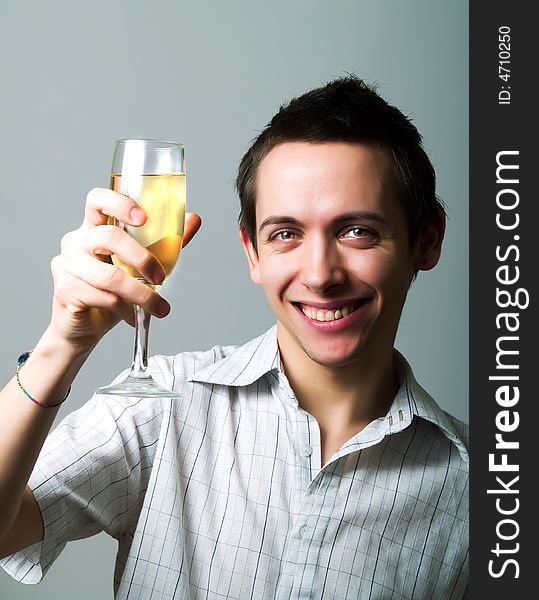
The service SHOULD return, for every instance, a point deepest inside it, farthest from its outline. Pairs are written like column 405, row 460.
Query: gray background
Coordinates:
column 77, row 76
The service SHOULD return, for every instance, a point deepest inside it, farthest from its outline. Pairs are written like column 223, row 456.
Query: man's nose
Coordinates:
column 321, row 265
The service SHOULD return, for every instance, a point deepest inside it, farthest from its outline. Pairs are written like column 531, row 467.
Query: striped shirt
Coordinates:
column 222, row 494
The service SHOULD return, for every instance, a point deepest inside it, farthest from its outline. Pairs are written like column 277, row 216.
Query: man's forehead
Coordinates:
column 343, row 176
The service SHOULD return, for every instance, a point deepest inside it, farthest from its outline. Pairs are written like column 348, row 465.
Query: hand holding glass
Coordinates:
column 152, row 173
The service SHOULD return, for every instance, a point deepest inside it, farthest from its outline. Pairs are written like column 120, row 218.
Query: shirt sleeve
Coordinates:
column 91, row 476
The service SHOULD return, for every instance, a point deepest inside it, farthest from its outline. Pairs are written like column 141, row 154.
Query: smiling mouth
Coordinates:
column 318, row 314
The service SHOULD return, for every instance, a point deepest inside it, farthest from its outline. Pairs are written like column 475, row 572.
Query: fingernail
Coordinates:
column 163, row 309
column 158, row 275
column 137, row 214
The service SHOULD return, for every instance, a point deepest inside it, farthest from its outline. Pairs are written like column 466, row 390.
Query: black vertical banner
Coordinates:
column 504, row 268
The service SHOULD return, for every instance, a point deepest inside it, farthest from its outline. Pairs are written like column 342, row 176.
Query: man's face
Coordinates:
column 334, row 257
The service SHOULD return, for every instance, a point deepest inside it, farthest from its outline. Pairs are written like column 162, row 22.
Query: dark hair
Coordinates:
column 347, row 110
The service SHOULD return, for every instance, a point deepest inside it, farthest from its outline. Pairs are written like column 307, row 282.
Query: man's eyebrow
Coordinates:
column 277, row 220
column 357, row 215
column 361, row 215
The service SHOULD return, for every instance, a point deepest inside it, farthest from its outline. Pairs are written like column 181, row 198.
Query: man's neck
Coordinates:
column 342, row 399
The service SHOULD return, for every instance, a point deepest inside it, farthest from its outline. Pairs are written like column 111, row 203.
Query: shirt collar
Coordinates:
column 414, row 400
column 245, row 364
column 248, row 363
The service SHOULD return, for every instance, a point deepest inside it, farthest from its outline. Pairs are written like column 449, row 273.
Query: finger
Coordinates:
column 109, row 239
column 108, row 278
column 79, row 296
column 192, row 225
column 102, row 203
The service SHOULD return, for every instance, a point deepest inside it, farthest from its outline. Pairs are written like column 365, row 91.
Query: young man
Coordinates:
column 307, row 463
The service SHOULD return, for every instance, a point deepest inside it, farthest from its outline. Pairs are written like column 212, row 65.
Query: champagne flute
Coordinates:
column 152, row 173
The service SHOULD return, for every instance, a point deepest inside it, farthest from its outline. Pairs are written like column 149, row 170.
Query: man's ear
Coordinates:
column 252, row 256
column 429, row 244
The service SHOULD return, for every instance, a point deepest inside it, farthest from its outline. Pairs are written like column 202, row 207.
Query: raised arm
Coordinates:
column 90, row 297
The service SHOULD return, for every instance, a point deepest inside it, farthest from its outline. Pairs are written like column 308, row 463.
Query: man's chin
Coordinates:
column 332, row 360
column 341, row 353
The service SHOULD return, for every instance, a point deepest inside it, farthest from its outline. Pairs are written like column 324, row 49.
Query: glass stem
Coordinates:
column 139, row 368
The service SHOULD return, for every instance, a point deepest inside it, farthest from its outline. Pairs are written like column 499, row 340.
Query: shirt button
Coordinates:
column 303, row 531
column 305, row 450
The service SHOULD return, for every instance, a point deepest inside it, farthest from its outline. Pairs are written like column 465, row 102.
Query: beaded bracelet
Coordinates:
column 20, row 362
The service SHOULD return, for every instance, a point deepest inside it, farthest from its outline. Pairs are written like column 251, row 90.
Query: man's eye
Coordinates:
column 360, row 236
column 283, row 236
column 359, row 232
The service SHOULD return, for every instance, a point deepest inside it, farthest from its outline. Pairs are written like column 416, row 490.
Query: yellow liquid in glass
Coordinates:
column 162, row 197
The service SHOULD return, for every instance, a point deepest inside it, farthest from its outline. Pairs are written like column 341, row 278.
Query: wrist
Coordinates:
column 21, row 361
column 48, row 370
column 53, row 345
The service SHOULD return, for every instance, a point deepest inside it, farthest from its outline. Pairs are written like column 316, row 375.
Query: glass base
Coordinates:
column 140, row 387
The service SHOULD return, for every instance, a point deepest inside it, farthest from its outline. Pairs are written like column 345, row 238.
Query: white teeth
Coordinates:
column 328, row 315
